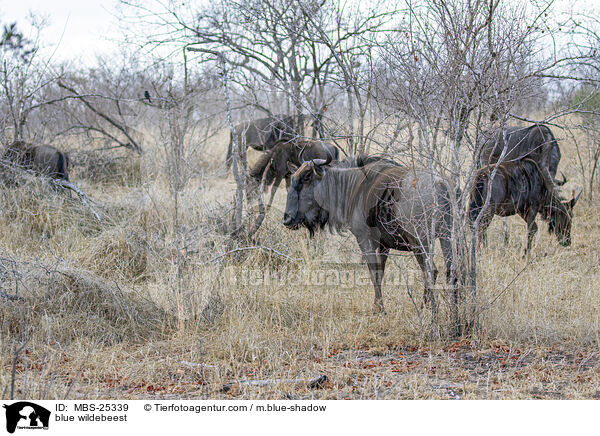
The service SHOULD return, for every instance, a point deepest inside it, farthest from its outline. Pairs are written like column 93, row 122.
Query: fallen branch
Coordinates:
column 317, row 383
column 11, row 297
column 84, row 198
column 197, row 365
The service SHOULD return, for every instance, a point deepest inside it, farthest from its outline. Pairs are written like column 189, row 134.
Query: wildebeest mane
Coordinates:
column 361, row 160
column 352, row 180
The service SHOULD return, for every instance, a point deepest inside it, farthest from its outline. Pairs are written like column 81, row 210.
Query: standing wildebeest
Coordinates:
column 276, row 160
column 385, row 205
column 535, row 142
column 262, row 134
column 521, row 187
column 43, row 159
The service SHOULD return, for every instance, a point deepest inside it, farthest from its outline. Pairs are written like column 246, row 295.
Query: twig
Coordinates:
column 79, row 372
column 527, row 120
column 316, row 383
column 199, row 365
column 13, row 375
column 261, row 204
column 134, row 145
column 256, row 247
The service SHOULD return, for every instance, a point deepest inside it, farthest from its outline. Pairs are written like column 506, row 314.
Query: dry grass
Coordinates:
column 132, row 308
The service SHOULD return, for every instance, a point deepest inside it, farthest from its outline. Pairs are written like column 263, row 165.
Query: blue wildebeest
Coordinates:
column 275, row 161
column 535, row 142
column 385, row 206
column 42, row 159
column 262, row 134
column 524, row 188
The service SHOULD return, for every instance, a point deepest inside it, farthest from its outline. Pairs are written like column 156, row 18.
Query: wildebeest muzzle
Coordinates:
column 292, row 222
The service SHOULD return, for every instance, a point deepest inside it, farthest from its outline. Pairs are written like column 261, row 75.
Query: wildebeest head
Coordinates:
column 301, row 207
column 560, row 218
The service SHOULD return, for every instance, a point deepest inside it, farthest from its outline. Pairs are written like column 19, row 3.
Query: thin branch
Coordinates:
column 256, row 247
column 134, row 145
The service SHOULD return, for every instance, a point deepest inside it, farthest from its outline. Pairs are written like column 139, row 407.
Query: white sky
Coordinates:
column 80, row 29
column 77, row 29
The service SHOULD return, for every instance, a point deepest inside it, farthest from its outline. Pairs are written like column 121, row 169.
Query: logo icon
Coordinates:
column 26, row 415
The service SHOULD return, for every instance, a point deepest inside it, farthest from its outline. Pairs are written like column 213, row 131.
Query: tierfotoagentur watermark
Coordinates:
column 326, row 275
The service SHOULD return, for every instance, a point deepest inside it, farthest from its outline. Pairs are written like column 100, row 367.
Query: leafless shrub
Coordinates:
column 107, row 168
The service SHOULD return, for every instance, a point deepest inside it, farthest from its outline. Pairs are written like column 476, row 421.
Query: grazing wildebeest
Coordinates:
column 262, row 134
column 43, row 159
column 276, row 160
column 535, row 142
column 524, row 188
column 385, row 205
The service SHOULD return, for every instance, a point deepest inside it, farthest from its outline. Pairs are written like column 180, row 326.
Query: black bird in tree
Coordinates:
column 147, row 96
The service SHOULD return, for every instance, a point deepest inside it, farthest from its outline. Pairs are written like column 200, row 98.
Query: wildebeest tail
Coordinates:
column 555, row 156
column 63, row 163
column 477, row 197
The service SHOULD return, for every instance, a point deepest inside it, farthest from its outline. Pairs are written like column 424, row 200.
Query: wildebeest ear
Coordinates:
column 292, row 168
column 319, row 171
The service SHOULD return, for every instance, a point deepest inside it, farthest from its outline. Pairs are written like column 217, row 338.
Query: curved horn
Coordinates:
column 561, row 182
column 574, row 200
column 320, row 162
column 300, row 158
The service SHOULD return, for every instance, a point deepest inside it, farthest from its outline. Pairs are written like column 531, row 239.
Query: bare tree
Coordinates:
column 25, row 75
column 457, row 70
column 350, row 34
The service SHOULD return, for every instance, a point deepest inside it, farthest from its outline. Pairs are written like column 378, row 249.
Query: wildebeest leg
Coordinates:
column 382, row 257
column 531, row 228
column 430, row 273
column 482, row 230
column 273, row 191
column 375, row 258
column 505, row 231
